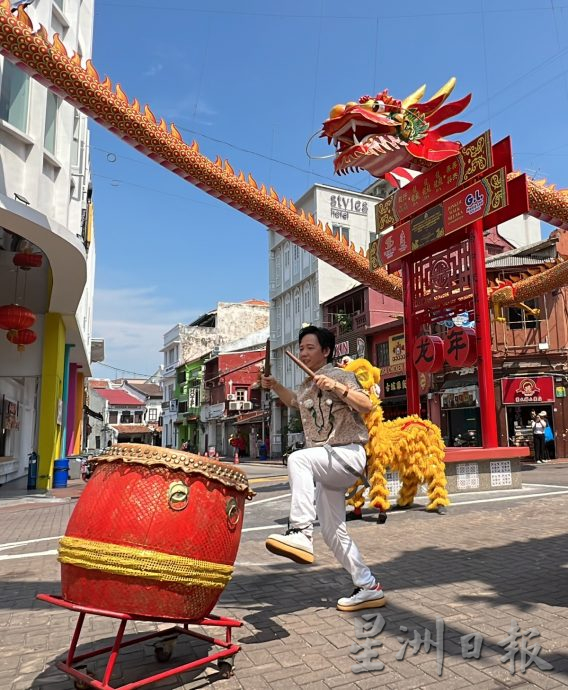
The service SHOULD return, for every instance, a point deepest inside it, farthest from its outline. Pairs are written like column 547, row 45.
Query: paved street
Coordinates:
column 495, row 560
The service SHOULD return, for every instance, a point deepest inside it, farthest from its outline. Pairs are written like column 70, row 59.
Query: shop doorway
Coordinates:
column 519, row 428
column 464, row 427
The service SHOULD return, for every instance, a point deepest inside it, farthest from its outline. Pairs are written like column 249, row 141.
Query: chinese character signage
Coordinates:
column 395, row 386
column 518, row 391
column 470, row 204
column 460, row 348
column 449, row 175
column 428, row 353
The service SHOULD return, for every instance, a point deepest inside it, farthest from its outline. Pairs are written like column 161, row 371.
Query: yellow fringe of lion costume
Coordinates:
column 409, row 445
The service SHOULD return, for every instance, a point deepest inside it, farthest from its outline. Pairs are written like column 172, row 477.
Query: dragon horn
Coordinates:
column 414, row 97
column 446, row 90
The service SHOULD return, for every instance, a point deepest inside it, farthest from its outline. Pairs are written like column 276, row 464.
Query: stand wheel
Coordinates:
column 163, row 650
column 81, row 685
column 225, row 667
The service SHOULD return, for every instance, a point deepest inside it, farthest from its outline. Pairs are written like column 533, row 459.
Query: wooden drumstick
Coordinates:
column 308, row 371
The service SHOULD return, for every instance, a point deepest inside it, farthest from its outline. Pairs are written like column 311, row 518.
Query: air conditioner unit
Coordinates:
column 173, row 405
column 246, row 405
column 231, row 396
column 236, row 405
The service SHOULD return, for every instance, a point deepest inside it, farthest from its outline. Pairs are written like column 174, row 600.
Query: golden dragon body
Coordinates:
column 50, row 64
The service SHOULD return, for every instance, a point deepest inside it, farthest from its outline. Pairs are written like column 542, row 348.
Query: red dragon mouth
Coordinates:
column 380, row 133
column 359, row 133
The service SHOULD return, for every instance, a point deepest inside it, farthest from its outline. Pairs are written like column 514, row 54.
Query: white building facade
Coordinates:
column 45, row 210
column 300, row 282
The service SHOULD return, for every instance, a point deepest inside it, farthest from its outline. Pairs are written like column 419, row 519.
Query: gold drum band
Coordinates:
column 118, row 559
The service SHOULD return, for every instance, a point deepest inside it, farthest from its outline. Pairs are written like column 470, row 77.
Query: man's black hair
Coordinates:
column 325, row 339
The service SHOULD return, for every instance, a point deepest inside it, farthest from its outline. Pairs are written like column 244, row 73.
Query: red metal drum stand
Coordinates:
column 224, row 658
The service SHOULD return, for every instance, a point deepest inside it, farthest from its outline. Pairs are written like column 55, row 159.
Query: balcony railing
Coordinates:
column 360, row 322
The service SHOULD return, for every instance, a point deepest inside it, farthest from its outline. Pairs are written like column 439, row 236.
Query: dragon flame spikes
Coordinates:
column 252, row 181
column 175, row 132
column 91, row 71
column 149, row 115
column 273, row 195
column 241, row 176
column 121, row 95
column 227, row 167
column 219, row 161
column 58, row 45
column 23, row 17
column 163, row 126
column 293, row 207
column 136, row 105
column 195, row 147
column 42, row 33
column 107, row 84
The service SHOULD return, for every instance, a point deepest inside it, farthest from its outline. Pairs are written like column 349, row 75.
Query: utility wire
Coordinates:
column 123, row 371
column 281, row 15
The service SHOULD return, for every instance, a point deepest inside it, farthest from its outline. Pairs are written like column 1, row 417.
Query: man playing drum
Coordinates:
column 330, row 404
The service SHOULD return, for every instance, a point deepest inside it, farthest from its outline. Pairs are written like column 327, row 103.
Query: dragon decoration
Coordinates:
column 379, row 134
column 418, row 130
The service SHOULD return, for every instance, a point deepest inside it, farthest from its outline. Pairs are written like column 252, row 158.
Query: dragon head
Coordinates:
column 381, row 133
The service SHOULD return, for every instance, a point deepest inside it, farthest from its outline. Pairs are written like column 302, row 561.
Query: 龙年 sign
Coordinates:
column 526, row 390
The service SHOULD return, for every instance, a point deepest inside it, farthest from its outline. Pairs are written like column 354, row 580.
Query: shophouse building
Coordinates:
column 47, row 257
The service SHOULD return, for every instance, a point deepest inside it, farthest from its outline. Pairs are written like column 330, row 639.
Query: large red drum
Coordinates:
column 155, row 533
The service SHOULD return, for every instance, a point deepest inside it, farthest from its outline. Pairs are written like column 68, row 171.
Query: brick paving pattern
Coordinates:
column 478, row 570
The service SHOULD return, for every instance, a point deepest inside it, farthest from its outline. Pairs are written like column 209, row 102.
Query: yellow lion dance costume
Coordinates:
column 410, row 445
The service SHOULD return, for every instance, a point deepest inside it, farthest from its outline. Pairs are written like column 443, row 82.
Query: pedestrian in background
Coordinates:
column 539, row 425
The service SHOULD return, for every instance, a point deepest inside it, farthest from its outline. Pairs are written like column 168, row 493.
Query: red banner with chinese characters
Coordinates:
column 527, row 390
column 474, row 158
column 470, row 204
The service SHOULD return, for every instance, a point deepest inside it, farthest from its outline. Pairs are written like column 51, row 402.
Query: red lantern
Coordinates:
column 27, row 260
column 428, row 353
column 21, row 338
column 14, row 318
column 460, row 347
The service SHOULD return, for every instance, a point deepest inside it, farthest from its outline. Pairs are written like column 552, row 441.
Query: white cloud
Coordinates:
column 154, row 69
column 132, row 322
column 185, row 110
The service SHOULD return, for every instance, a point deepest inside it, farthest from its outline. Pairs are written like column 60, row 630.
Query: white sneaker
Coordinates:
column 363, row 598
column 294, row 545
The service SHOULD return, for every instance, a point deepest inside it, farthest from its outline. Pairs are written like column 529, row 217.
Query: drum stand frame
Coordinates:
column 228, row 648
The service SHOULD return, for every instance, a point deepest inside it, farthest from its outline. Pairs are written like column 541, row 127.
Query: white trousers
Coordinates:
column 332, row 479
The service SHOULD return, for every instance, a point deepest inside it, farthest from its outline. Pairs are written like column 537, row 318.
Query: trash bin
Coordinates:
column 262, row 452
column 32, row 471
column 60, row 473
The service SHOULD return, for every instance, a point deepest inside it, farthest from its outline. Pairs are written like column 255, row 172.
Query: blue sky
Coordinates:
column 261, row 77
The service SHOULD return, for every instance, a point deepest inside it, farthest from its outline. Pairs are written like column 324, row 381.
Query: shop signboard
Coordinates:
column 397, row 352
column 458, row 398
column 395, row 386
column 484, row 197
column 447, row 177
column 527, row 390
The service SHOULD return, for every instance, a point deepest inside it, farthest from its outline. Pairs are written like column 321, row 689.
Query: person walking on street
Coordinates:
column 330, row 404
column 538, row 423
